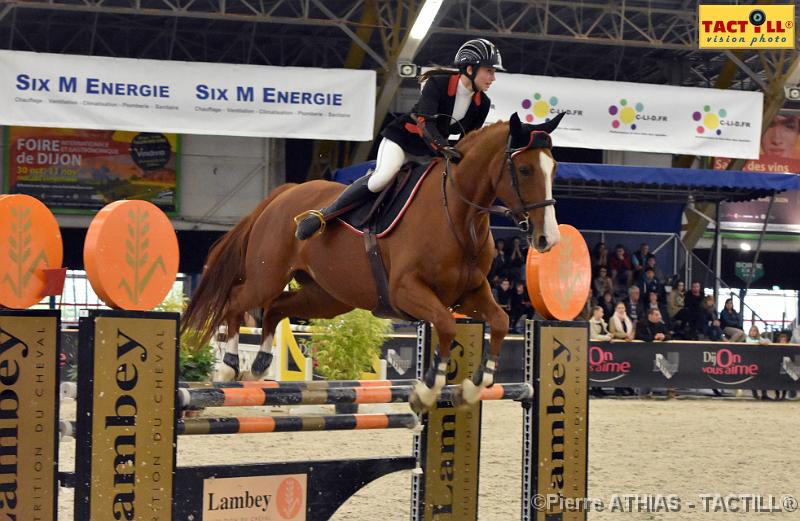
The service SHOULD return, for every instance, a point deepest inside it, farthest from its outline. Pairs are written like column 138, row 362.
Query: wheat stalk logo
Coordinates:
column 19, row 250
column 136, row 256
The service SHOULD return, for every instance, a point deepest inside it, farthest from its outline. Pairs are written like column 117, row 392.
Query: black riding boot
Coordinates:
column 308, row 223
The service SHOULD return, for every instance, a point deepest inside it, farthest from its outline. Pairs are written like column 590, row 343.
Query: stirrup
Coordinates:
column 312, row 213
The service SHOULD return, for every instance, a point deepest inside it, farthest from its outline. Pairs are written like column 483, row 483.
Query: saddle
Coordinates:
column 382, row 213
column 376, row 218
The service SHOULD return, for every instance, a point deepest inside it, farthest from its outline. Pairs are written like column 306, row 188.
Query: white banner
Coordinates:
column 635, row 116
column 56, row 90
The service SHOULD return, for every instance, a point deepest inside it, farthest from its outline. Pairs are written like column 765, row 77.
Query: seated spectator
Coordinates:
column 731, row 322
column 521, row 307
column 650, row 283
column 652, row 329
column 675, row 299
column 634, row 305
column 692, row 316
column 503, row 294
column 602, row 283
column 651, row 263
column 516, row 261
column 620, row 266
column 638, row 259
column 502, row 258
column 653, row 303
column 783, row 338
column 599, row 257
column 754, row 336
column 607, row 303
column 620, row 325
column 598, row 330
column 711, row 323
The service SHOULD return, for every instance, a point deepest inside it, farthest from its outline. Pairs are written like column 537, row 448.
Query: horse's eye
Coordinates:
column 524, row 170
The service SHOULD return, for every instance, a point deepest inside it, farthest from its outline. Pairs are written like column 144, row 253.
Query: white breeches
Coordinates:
column 390, row 158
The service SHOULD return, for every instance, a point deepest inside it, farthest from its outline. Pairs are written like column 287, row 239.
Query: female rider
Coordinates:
column 447, row 96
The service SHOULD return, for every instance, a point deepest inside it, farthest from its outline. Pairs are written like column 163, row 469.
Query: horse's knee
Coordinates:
column 499, row 323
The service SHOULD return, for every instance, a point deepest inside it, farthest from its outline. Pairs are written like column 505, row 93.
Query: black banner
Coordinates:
column 696, row 365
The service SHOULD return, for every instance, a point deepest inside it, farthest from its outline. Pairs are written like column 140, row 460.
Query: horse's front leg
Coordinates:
column 418, row 300
column 480, row 304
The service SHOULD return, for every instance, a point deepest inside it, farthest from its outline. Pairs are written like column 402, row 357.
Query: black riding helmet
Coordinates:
column 478, row 53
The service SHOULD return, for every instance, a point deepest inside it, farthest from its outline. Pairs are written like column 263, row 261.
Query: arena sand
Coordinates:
column 684, row 447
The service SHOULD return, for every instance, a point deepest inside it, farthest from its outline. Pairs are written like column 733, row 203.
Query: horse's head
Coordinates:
column 531, row 167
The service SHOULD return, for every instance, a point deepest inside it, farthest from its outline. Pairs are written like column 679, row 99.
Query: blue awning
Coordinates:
column 647, row 184
column 616, row 182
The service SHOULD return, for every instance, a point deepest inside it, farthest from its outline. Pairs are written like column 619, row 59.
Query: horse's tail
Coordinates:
column 223, row 270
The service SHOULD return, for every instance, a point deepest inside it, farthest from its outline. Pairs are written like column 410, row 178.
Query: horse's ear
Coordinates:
column 551, row 125
column 515, row 125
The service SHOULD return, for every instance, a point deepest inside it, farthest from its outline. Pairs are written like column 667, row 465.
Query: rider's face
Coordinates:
column 484, row 79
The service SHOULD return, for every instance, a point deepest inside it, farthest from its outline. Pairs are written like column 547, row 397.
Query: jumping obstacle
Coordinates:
column 253, row 397
column 266, row 424
column 129, row 403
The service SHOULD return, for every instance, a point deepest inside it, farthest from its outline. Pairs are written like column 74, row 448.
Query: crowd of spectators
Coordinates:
column 507, row 277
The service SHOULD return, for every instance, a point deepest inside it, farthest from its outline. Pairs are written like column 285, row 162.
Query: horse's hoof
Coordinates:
column 422, row 398
column 470, row 393
column 224, row 373
column 260, row 365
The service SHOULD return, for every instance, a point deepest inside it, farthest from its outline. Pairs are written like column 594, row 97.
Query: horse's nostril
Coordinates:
column 542, row 243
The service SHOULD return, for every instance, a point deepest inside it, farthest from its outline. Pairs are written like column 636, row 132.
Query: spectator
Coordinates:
column 602, row 282
column 692, row 316
column 502, row 257
column 521, row 307
column 649, row 282
column 652, row 329
column 731, row 322
column 653, row 303
column 620, row 325
column 607, row 303
column 639, row 258
column 651, row 263
column 754, row 337
column 598, row 330
column 634, row 305
column 516, row 261
column 503, row 295
column 599, row 257
column 620, row 266
column 676, row 298
column 711, row 323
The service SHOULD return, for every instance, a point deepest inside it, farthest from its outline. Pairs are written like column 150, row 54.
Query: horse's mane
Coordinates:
column 484, row 132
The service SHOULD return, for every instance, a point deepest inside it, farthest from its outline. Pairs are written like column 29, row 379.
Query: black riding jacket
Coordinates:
column 419, row 134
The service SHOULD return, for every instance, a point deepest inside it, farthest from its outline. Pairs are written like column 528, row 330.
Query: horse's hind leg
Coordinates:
column 418, row 300
column 242, row 298
column 481, row 305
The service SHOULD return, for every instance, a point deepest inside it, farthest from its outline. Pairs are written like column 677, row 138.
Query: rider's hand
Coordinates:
column 450, row 153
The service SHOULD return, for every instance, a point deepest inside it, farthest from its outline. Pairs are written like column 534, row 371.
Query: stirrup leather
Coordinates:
column 312, row 213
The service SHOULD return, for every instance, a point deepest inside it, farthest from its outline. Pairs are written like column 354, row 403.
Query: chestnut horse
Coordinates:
column 437, row 258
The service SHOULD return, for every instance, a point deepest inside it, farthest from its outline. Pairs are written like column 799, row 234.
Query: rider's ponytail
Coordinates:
column 436, row 71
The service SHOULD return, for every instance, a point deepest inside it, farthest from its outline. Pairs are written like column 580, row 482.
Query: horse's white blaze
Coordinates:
column 550, row 231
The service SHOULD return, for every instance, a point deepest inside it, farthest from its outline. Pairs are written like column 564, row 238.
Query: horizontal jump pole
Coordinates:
column 316, row 384
column 266, row 424
column 70, row 389
column 237, row 397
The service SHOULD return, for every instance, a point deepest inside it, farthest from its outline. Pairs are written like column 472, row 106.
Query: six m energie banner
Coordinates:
column 77, row 171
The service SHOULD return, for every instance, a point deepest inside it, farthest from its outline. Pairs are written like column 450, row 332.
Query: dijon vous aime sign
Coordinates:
column 50, row 90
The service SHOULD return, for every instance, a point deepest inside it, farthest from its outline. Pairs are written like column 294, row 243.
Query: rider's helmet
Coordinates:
column 478, row 52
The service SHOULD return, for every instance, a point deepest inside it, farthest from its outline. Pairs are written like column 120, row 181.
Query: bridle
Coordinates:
column 519, row 212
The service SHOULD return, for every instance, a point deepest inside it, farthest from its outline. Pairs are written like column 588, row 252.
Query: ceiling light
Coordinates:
column 425, row 19
column 745, row 246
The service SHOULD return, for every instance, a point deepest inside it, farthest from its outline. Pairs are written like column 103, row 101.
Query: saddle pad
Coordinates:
column 392, row 208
